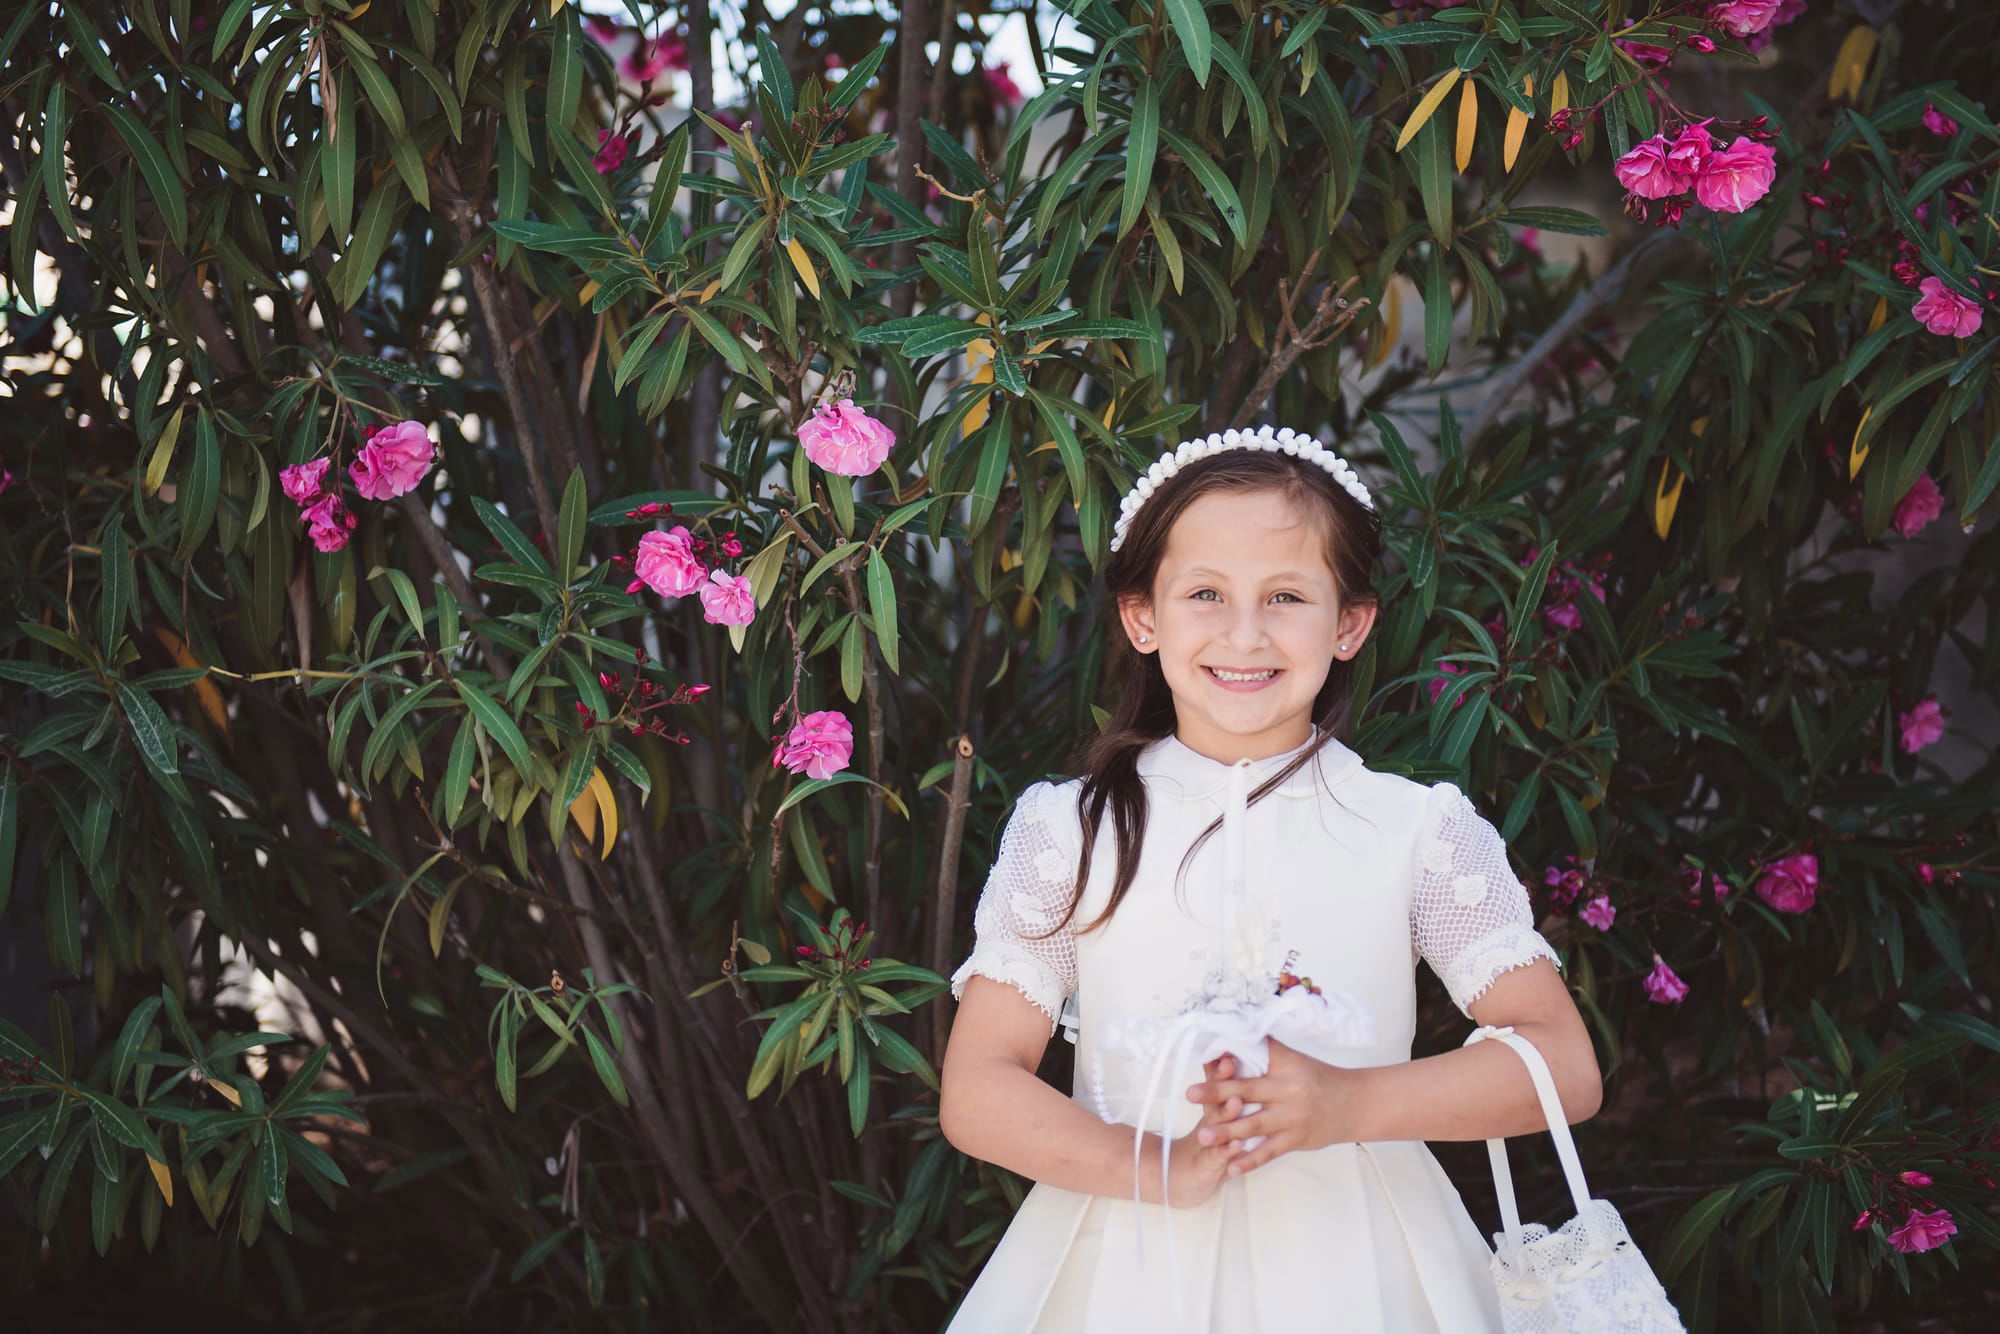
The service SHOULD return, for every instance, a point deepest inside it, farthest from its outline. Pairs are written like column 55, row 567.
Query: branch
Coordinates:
column 1331, row 316
column 1586, row 303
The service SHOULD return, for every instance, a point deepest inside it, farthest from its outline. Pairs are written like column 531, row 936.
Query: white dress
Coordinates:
column 1357, row 875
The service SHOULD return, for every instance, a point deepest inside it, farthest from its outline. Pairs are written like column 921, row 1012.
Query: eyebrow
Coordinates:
column 1203, row 571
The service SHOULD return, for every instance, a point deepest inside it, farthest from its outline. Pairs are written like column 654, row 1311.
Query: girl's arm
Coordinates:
column 993, row 1106
column 1482, row 1091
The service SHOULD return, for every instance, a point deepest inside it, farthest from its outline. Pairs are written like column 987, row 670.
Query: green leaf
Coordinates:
column 531, row 1259
column 1142, row 143
column 1190, row 23
column 1549, row 218
column 882, row 606
column 121, row 1123
column 607, row 1069
column 570, row 526
column 1221, row 192
column 511, row 539
column 1692, row 1232
column 150, row 728
column 199, row 486
column 130, row 1038
column 499, row 724
column 168, row 194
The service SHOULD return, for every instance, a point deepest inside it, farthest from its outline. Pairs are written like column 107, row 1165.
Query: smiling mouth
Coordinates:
column 1238, row 677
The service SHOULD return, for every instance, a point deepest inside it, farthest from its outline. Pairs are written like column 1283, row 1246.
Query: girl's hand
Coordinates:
column 1305, row 1106
column 1199, row 1160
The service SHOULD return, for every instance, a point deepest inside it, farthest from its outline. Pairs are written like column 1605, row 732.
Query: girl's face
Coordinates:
column 1247, row 619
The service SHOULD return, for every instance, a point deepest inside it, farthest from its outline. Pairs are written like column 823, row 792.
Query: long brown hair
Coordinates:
column 1144, row 714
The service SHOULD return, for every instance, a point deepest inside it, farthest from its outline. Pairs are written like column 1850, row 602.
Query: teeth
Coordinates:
column 1243, row 676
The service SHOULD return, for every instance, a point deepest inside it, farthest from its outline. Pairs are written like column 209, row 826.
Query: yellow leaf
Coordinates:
column 584, row 811
column 206, row 692
column 1430, row 102
column 1468, row 123
column 359, row 10
column 1850, row 63
column 1392, row 323
column 228, row 1091
column 587, row 291
column 710, row 290
column 162, row 1178
column 1110, row 411
column 1665, row 501
column 1517, row 126
column 163, row 453
column 978, row 370
column 1879, row 314
column 555, row 7
column 1857, row 453
column 607, row 805
column 1559, row 93
column 804, row 265
column 1699, row 426
column 441, row 915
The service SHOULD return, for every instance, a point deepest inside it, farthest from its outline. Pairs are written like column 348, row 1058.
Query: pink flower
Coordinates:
column 1691, row 150
column 1916, row 1178
column 819, row 745
column 393, row 461
column 726, row 599
column 1599, row 912
column 603, row 29
column 328, row 522
column 1529, row 239
column 1692, row 884
column 1923, row 1231
column 1938, row 123
column 1001, row 84
column 1646, row 172
column 610, row 152
column 666, row 563
column 1441, row 682
column 652, row 58
column 1663, row 984
column 1790, row 884
column 1919, row 505
column 1921, row 724
column 1563, row 615
column 843, row 439
column 1944, row 311
column 1736, row 177
column 302, row 481
column 6, row 478
column 1565, row 884
column 1743, row 18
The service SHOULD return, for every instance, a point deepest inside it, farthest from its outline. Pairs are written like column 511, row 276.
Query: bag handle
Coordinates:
column 1558, row 1124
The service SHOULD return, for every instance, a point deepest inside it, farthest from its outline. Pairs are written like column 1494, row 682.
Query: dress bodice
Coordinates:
column 1341, row 874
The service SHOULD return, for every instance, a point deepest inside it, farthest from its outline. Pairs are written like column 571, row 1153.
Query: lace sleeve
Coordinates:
column 1026, row 893
column 1469, row 914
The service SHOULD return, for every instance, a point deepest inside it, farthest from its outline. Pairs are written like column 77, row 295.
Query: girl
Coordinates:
column 1305, row 1199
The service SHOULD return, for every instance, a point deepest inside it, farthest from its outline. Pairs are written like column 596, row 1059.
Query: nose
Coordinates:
column 1246, row 629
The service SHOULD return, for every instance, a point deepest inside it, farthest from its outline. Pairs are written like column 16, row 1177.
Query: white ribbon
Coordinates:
column 1297, row 1017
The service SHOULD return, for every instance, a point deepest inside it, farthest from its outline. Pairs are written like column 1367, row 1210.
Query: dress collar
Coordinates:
column 1195, row 775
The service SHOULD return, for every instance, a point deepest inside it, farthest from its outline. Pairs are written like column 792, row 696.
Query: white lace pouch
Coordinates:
column 1587, row 1276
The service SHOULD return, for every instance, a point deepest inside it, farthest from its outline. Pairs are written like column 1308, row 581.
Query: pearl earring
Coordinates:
column 1142, row 639
column 1343, row 648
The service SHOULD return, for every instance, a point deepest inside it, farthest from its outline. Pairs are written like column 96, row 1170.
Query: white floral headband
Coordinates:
column 1282, row 439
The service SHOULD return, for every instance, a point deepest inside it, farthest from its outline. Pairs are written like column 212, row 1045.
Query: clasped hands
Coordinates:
column 1304, row 1104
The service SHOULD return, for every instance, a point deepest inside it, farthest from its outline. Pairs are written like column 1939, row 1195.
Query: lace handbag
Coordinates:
column 1587, row 1276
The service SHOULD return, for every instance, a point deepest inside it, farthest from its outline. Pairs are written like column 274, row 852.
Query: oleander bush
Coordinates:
column 533, row 586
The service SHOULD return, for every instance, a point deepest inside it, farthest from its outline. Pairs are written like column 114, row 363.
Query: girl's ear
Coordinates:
column 1136, row 615
column 1355, row 623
